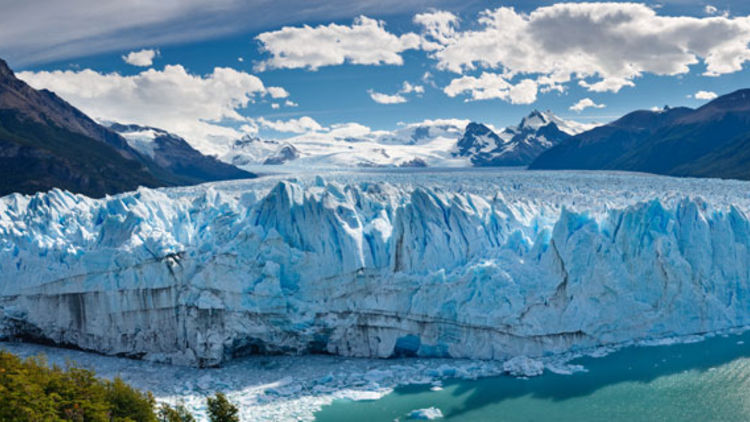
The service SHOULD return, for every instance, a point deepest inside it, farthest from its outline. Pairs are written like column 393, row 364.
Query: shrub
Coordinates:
column 174, row 414
column 30, row 390
column 222, row 410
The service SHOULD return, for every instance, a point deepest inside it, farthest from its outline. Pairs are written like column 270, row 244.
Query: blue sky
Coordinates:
column 200, row 40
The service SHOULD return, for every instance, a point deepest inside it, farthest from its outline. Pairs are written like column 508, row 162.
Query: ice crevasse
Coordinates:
column 378, row 269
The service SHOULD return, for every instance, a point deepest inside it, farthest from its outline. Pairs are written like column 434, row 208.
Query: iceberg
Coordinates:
column 427, row 414
column 455, row 264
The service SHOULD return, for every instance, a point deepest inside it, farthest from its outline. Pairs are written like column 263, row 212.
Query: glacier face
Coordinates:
column 478, row 264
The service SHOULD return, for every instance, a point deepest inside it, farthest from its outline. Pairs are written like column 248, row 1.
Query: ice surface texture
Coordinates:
column 475, row 264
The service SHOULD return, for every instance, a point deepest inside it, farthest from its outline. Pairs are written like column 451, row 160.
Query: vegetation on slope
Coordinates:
column 31, row 390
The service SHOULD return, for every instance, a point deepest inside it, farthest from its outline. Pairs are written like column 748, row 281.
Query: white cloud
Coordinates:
column 381, row 98
column 584, row 104
column 714, row 11
column 173, row 99
column 76, row 28
column 290, row 103
column 365, row 42
column 398, row 97
column 302, row 125
column 240, row 59
column 493, row 86
column 250, row 128
column 705, row 95
column 439, row 28
column 275, row 106
column 348, row 130
column 277, row 92
column 142, row 58
column 602, row 46
column 408, row 88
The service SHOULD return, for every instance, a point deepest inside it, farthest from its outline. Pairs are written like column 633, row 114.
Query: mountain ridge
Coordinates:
column 703, row 142
column 514, row 145
column 46, row 143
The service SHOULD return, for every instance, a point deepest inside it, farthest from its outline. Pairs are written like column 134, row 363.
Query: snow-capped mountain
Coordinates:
column 250, row 150
column 172, row 152
column 433, row 143
column 515, row 145
column 427, row 143
column 285, row 154
column 484, row 265
column 424, row 132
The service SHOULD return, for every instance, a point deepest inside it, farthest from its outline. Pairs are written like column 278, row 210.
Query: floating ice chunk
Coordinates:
column 523, row 366
column 427, row 414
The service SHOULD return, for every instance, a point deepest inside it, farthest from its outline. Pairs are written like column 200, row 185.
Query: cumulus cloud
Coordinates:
column 705, row 95
column 399, row 97
column 585, row 103
column 493, row 86
column 381, row 98
column 365, row 42
column 612, row 44
column 290, row 103
column 277, row 92
column 142, row 58
column 76, row 28
column 173, row 99
column 408, row 88
column 713, row 11
column 348, row 130
column 439, row 28
column 303, row 124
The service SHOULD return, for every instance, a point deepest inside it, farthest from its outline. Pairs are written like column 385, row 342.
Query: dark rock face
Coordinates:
column 711, row 141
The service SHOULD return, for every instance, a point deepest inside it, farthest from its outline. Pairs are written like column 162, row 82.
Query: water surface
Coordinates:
column 704, row 381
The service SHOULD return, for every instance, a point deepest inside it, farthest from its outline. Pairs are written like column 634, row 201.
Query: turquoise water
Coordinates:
column 705, row 381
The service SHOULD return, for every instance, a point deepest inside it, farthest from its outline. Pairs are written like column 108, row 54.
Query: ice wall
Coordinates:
column 428, row 267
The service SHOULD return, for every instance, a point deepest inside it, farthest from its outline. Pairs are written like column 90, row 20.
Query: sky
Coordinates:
column 215, row 71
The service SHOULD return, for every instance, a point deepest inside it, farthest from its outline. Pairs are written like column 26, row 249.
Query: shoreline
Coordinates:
column 296, row 387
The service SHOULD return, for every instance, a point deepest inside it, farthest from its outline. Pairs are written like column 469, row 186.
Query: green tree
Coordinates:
column 31, row 390
column 129, row 404
column 178, row 413
column 222, row 410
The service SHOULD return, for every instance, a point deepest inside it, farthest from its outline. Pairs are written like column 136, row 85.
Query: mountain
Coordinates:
column 711, row 141
column 515, row 145
column 47, row 143
column 251, row 150
column 173, row 153
column 286, row 153
column 427, row 143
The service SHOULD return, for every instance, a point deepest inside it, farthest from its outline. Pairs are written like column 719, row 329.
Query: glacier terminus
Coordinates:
column 482, row 264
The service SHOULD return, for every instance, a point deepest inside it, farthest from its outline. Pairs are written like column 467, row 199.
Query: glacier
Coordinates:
column 480, row 264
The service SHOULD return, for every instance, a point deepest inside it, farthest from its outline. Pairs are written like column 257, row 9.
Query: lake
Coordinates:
column 703, row 381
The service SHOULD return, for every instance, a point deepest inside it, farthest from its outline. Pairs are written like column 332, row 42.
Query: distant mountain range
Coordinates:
column 711, row 141
column 46, row 143
column 438, row 143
